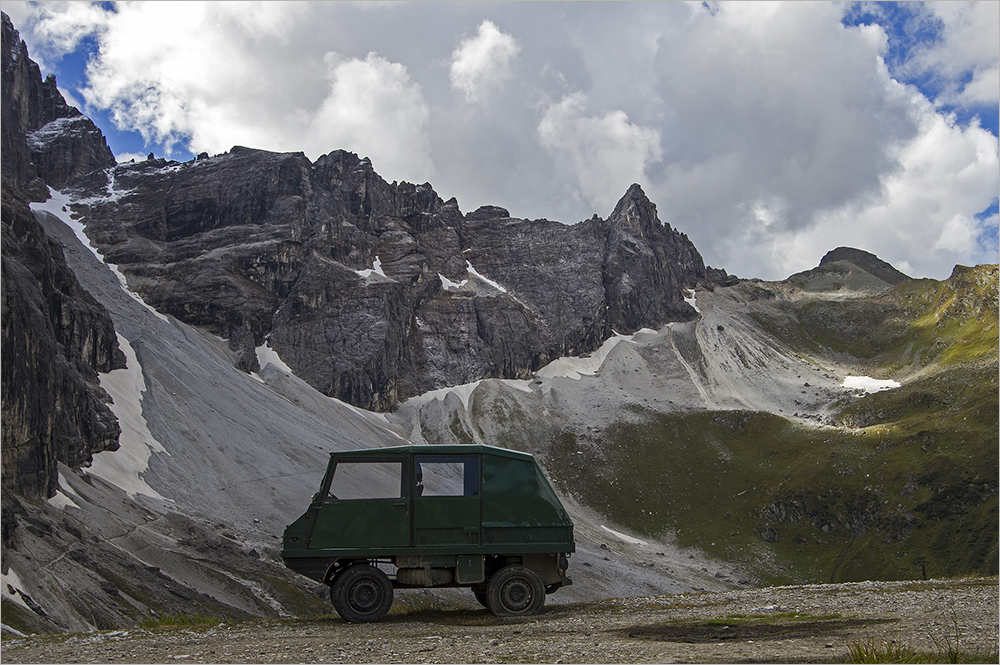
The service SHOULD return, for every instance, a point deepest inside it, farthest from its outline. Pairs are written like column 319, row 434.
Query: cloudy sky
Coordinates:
column 769, row 133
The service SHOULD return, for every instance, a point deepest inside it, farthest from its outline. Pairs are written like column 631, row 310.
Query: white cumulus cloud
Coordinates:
column 923, row 219
column 770, row 133
column 206, row 76
column 603, row 154
column 374, row 109
column 57, row 27
column 482, row 62
column 794, row 139
column 964, row 59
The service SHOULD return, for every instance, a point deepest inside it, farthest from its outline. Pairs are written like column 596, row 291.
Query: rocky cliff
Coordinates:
column 56, row 337
column 373, row 292
column 45, row 140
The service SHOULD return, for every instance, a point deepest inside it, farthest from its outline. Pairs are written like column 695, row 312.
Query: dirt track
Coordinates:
column 815, row 623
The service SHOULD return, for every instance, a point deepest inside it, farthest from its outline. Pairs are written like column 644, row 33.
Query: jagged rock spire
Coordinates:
column 635, row 212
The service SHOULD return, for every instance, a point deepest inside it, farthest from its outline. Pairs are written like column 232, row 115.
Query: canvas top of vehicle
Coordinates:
column 442, row 516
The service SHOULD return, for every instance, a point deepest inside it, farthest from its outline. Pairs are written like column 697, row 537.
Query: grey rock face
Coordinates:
column 373, row 291
column 56, row 338
column 646, row 266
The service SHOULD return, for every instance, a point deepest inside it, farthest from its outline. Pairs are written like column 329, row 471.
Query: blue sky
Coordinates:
column 910, row 30
column 770, row 133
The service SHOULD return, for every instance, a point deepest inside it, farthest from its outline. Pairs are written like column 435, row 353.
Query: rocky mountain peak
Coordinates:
column 488, row 212
column 867, row 262
column 635, row 213
column 45, row 140
column 848, row 269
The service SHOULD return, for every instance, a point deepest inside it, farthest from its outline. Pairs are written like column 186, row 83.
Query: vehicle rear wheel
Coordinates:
column 362, row 593
column 515, row 591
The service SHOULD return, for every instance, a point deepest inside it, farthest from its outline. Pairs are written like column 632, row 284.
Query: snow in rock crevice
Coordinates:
column 268, row 356
column 691, row 300
column 449, row 285
column 474, row 272
column 374, row 273
column 40, row 139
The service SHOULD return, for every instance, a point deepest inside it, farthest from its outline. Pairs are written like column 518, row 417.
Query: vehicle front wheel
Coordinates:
column 362, row 593
column 515, row 591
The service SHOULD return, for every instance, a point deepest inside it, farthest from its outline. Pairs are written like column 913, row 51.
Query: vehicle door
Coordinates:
column 367, row 505
column 446, row 500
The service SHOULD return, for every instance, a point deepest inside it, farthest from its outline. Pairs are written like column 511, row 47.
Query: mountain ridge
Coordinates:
column 249, row 242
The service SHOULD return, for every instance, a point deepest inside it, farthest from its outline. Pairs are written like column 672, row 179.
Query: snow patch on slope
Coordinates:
column 40, row 139
column 123, row 467
column 58, row 206
column 869, row 384
column 374, row 273
column 691, row 301
column 268, row 356
column 469, row 283
column 475, row 273
column 449, row 285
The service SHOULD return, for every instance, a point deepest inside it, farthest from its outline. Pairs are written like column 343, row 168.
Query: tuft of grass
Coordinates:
column 886, row 651
column 948, row 651
column 872, row 651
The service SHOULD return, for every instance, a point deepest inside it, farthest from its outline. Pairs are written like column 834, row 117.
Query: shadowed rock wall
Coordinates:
column 56, row 337
column 371, row 291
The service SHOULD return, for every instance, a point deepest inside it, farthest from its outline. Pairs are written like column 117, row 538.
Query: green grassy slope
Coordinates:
column 906, row 483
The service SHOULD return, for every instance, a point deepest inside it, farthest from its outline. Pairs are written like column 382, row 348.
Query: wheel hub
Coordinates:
column 515, row 595
column 364, row 595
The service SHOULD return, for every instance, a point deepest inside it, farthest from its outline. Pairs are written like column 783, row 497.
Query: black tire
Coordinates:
column 361, row 594
column 479, row 591
column 515, row 591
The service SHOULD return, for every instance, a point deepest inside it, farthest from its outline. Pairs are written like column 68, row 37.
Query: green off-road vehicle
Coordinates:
column 434, row 516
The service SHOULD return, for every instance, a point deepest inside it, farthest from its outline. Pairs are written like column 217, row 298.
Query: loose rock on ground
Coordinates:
column 813, row 623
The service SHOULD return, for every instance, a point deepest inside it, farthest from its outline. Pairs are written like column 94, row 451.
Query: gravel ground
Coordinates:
column 814, row 623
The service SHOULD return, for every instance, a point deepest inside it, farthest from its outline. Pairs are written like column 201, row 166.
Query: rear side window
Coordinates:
column 452, row 476
column 367, row 480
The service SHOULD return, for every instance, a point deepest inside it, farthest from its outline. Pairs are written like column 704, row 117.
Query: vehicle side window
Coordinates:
column 367, row 480
column 453, row 476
